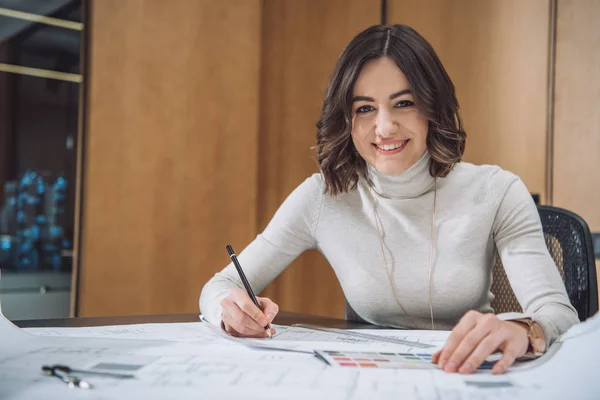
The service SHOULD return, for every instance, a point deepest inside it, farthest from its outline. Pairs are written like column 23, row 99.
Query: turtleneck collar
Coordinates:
column 412, row 183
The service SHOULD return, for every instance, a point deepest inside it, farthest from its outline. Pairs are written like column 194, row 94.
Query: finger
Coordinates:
column 244, row 302
column 487, row 324
column 229, row 329
column 227, row 324
column 502, row 365
column 435, row 356
column 232, row 327
column 224, row 326
column 235, row 333
column 487, row 346
column 270, row 309
column 238, row 319
column 464, row 326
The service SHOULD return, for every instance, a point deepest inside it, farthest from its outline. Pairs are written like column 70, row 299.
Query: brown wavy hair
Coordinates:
column 431, row 87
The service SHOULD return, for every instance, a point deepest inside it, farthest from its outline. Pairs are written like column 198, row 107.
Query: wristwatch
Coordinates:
column 535, row 335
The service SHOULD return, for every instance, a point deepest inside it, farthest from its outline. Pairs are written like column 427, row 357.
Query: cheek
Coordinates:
column 361, row 134
column 360, row 145
column 422, row 127
column 418, row 126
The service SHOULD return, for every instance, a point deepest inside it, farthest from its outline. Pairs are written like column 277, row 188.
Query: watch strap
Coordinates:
column 535, row 336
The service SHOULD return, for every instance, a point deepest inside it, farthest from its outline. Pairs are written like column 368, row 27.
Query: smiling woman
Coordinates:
column 391, row 90
column 410, row 230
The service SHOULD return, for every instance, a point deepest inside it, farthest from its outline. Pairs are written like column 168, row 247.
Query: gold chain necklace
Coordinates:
column 431, row 248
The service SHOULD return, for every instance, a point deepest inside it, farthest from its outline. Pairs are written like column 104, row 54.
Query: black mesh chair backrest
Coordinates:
column 569, row 242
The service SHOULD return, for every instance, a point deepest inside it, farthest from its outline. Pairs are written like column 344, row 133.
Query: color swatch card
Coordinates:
column 351, row 359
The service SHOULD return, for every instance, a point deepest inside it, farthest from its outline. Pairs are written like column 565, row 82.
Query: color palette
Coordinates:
column 389, row 360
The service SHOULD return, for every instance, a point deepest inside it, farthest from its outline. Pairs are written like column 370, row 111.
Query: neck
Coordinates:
column 411, row 183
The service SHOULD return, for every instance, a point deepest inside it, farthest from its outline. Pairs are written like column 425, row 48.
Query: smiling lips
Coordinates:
column 391, row 148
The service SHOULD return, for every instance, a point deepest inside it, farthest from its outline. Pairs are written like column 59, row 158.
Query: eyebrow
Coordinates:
column 392, row 96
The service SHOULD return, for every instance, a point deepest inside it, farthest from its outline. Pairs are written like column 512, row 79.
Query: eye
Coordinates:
column 404, row 103
column 364, row 109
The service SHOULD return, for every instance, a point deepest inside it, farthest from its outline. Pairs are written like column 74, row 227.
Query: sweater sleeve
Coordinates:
column 532, row 273
column 290, row 232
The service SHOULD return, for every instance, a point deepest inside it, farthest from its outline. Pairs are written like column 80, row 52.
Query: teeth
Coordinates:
column 391, row 146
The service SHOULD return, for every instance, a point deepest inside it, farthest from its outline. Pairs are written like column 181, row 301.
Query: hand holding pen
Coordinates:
column 244, row 314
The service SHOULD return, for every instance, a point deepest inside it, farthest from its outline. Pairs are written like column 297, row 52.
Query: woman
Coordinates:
column 410, row 230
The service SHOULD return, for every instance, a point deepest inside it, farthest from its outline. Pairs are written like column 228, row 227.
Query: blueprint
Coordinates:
column 181, row 361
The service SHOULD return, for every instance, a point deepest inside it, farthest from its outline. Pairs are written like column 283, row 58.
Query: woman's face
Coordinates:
column 388, row 130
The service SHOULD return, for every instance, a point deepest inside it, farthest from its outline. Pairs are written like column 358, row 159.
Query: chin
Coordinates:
column 391, row 169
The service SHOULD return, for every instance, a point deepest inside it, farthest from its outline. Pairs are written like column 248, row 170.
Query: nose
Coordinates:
column 385, row 125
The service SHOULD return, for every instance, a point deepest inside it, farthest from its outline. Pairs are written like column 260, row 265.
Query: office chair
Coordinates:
column 569, row 242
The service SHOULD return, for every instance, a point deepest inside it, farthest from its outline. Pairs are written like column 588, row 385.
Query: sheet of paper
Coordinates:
column 589, row 327
column 167, row 372
column 570, row 372
column 287, row 337
column 435, row 338
column 185, row 370
column 174, row 332
column 294, row 338
column 223, row 369
column 302, row 339
column 12, row 339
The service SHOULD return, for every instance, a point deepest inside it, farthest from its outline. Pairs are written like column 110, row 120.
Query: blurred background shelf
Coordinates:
column 33, row 295
column 40, row 128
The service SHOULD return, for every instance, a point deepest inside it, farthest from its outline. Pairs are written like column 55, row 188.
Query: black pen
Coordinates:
column 246, row 284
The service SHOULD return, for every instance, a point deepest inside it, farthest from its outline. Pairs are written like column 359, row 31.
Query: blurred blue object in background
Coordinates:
column 32, row 223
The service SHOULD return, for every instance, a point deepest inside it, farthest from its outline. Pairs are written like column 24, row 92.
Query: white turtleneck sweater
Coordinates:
column 479, row 209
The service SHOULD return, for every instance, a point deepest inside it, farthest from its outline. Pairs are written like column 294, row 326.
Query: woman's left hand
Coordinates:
column 478, row 335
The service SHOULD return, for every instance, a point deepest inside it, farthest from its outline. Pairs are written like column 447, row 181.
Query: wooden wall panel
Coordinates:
column 576, row 116
column 301, row 43
column 576, row 109
column 197, row 131
column 171, row 157
column 496, row 53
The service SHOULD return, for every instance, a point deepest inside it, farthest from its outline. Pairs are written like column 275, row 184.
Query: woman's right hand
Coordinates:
column 241, row 317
